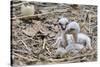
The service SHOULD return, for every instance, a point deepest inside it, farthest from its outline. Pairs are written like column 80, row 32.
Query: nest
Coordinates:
column 32, row 36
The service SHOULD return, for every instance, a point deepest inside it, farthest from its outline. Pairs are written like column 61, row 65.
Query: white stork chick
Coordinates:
column 71, row 44
column 63, row 22
column 83, row 42
column 71, row 47
column 60, row 51
column 27, row 10
column 66, row 26
column 72, row 27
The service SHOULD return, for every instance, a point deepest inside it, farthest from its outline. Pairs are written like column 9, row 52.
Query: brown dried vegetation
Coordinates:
column 32, row 36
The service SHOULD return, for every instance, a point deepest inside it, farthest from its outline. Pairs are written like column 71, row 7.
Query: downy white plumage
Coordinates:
column 83, row 41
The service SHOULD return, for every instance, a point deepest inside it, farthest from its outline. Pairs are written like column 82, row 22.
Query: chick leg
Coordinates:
column 74, row 33
column 57, row 43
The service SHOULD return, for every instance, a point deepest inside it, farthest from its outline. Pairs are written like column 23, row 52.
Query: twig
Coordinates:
column 73, row 61
column 77, row 60
column 85, row 27
column 21, row 51
column 89, row 23
column 26, row 46
column 26, row 58
column 71, row 58
column 31, row 16
column 19, row 4
column 48, row 50
column 44, row 43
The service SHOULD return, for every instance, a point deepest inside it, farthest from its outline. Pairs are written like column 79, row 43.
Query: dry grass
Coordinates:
column 31, row 42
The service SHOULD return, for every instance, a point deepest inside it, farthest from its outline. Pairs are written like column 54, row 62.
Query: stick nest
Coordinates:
column 32, row 36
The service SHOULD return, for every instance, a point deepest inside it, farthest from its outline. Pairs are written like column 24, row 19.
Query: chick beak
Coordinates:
column 63, row 27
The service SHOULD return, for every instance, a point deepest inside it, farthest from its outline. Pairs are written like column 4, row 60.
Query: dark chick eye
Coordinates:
column 66, row 23
column 72, row 29
column 60, row 24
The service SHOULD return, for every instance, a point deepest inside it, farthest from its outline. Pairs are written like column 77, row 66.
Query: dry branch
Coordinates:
column 39, row 15
column 72, row 58
column 44, row 43
column 26, row 58
column 26, row 46
column 20, row 51
column 48, row 50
